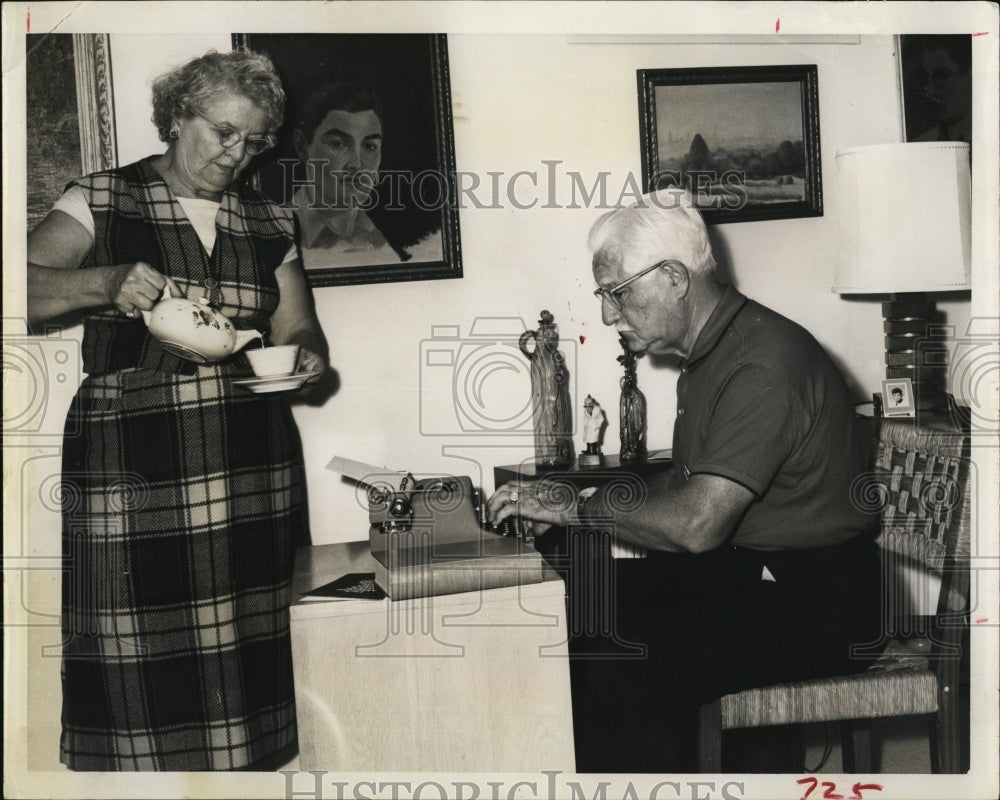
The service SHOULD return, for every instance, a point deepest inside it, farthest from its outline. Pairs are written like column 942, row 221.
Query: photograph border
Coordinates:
column 804, row 74
column 450, row 264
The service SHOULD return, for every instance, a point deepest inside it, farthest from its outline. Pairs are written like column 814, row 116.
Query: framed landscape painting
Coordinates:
column 743, row 140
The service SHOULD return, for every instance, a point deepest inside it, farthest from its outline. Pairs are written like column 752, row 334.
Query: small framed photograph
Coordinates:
column 897, row 398
column 743, row 140
column 366, row 155
column 935, row 78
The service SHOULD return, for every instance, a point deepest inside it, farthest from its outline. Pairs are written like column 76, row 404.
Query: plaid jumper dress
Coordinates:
column 181, row 497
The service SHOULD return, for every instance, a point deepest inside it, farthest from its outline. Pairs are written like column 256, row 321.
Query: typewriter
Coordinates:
column 429, row 536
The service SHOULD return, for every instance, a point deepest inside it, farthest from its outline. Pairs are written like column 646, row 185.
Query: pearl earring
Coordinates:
column 174, row 133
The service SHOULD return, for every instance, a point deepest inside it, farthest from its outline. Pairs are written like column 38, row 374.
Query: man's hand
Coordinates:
column 538, row 504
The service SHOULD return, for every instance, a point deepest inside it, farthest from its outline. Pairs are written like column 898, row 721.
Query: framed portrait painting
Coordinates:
column 366, row 155
column 743, row 140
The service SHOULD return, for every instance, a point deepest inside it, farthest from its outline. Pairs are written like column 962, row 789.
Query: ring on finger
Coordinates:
column 515, row 496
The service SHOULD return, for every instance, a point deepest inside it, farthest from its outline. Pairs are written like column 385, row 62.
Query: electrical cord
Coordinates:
column 827, row 750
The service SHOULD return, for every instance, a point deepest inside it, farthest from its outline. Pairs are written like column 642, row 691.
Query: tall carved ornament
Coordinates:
column 633, row 410
column 550, row 401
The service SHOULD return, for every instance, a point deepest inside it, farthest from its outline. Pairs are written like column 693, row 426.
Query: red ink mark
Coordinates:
column 830, row 789
column 981, row 33
column 583, row 339
column 28, row 22
column 777, row 25
column 981, row 620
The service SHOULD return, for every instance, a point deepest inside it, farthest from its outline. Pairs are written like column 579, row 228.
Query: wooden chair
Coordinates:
column 921, row 484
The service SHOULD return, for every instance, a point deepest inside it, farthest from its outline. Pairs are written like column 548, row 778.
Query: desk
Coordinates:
column 628, row 481
column 477, row 681
column 582, row 556
column 582, row 477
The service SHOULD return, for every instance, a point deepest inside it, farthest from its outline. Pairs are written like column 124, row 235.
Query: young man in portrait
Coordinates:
column 339, row 143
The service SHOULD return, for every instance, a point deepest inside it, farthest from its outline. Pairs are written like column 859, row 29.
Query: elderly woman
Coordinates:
column 183, row 491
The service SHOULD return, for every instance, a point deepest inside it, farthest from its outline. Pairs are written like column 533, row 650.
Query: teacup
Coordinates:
column 270, row 362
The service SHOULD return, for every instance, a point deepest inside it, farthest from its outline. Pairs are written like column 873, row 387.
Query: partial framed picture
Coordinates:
column 743, row 140
column 935, row 78
column 70, row 120
column 366, row 155
column 897, row 398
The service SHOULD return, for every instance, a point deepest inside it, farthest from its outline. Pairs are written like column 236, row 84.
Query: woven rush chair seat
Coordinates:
column 919, row 486
column 900, row 683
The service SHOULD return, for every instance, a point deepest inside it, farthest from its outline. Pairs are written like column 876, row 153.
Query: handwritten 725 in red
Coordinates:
column 830, row 789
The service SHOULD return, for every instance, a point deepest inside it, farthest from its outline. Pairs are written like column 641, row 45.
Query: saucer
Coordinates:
column 275, row 383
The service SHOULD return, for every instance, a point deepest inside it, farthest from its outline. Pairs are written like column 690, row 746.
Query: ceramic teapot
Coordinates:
column 194, row 330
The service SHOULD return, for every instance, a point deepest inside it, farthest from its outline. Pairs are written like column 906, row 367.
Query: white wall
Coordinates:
column 519, row 101
column 576, row 103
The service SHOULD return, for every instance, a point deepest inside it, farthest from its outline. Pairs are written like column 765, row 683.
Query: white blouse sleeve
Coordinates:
column 74, row 203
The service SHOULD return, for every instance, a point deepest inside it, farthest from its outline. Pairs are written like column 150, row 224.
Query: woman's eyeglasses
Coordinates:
column 613, row 294
column 230, row 137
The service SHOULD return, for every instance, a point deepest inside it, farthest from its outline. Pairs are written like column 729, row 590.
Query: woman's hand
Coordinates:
column 56, row 248
column 539, row 504
column 133, row 288
column 294, row 322
column 310, row 362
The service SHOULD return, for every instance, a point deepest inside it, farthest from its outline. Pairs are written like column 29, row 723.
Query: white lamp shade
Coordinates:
column 905, row 218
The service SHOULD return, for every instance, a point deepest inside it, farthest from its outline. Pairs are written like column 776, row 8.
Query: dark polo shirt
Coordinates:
column 761, row 403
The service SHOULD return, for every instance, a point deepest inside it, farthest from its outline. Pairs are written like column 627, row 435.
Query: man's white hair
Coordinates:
column 662, row 224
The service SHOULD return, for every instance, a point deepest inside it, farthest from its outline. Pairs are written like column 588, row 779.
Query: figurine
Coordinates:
column 550, row 401
column 633, row 410
column 593, row 424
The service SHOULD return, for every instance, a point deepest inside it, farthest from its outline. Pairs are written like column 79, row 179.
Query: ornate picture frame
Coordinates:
column 743, row 140
column 405, row 226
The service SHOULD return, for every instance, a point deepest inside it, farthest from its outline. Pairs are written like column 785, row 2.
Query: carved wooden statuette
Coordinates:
column 550, row 401
column 633, row 410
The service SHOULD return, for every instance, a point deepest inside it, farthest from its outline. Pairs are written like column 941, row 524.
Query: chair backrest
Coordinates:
column 922, row 480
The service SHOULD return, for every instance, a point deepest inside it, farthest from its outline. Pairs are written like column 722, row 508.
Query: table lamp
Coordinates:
column 906, row 231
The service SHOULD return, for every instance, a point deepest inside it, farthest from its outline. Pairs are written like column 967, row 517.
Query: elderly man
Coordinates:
column 760, row 569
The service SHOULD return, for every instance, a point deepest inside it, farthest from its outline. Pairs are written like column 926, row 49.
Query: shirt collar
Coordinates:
column 725, row 310
column 312, row 223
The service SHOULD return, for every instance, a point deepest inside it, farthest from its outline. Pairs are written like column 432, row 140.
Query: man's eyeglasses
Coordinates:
column 613, row 294
column 230, row 137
